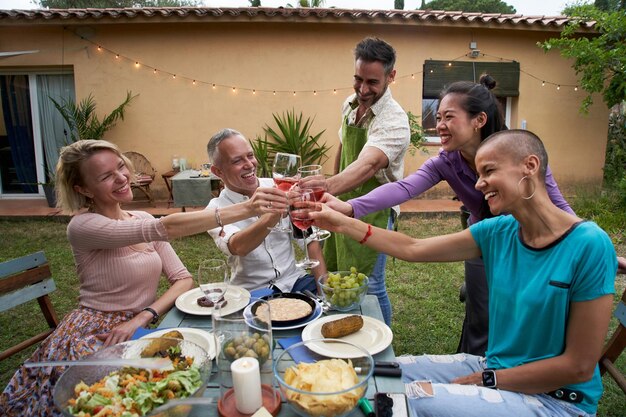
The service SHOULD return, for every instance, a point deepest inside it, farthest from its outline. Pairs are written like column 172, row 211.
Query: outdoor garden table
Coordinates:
column 191, row 190
column 370, row 307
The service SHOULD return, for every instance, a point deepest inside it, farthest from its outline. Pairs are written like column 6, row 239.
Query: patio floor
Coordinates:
column 13, row 208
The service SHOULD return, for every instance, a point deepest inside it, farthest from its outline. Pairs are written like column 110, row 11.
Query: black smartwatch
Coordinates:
column 155, row 315
column 489, row 378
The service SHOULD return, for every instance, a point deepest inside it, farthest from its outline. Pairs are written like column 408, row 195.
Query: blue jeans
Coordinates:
column 377, row 284
column 470, row 400
column 305, row 282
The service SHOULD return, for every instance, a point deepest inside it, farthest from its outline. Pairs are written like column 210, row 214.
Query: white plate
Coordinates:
column 316, row 314
column 237, row 297
column 200, row 337
column 374, row 337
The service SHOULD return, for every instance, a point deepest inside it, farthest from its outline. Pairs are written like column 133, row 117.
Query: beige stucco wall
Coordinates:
column 172, row 116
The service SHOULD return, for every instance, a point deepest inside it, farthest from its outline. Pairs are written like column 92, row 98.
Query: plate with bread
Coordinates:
column 371, row 334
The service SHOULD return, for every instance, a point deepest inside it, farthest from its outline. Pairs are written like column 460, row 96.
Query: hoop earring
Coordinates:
column 525, row 177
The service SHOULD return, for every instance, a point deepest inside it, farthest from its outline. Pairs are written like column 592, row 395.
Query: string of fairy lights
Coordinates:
column 254, row 91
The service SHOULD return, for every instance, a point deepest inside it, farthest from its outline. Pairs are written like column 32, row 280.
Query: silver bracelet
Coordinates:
column 218, row 219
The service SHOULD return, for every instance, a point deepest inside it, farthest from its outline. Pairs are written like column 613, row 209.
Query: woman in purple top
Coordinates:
column 468, row 113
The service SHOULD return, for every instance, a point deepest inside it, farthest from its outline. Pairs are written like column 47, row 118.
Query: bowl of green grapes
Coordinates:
column 343, row 290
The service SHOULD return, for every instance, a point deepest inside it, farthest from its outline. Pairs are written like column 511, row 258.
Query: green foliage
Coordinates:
column 610, row 5
column 103, row 4
column 260, row 147
column 82, row 118
column 483, row 6
column 599, row 60
column 615, row 159
column 398, row 4
column 308, row 3
column 418, row 139
column 293, row 136
column 255, row 3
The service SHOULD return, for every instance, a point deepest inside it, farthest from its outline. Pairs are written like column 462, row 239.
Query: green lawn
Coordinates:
column 427, row 312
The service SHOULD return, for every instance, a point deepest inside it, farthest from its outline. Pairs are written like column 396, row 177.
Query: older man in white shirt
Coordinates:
column 258, row 257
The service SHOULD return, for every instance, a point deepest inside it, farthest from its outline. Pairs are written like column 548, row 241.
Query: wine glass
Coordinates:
column 285, row 175
column 301, row 202
column 213, row 280
column 319, row 188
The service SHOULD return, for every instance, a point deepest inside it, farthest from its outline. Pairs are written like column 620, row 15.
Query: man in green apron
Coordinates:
column 374, row 137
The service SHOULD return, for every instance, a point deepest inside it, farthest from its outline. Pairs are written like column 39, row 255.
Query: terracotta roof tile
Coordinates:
column 272, row 14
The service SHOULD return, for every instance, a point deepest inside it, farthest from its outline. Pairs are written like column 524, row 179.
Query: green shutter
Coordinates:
column 438, row 74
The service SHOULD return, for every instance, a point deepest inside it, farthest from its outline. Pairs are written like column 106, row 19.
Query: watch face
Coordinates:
column 489, row 378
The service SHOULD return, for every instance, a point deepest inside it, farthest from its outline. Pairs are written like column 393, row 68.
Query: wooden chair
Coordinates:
column 144, row 174
column 24, row 279
column 615, row 346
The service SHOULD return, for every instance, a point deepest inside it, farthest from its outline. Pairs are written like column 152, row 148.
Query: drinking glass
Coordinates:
column 301, row 202
column 213, row 279
column 318, row 190
column 244, row 333
column 285, row 175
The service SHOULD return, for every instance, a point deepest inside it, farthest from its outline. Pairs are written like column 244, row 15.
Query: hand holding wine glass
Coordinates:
column 302, row 202
column 213, row 281
column 285, row 175
column 311, row 177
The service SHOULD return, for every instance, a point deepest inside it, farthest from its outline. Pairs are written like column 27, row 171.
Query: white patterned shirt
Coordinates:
column 387, row 129
column 272, row 262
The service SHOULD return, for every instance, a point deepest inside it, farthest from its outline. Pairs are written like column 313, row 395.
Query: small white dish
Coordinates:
column 237, row 298
column 375, row 336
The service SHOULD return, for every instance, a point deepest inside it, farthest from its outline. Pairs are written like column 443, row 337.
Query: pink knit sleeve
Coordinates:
column 173, row 267
column 91, row 231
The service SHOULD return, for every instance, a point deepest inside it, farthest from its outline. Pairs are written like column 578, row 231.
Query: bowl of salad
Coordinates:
column 129, row 391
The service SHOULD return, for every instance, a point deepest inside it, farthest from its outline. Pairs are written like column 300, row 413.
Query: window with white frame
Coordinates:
column 439, row 74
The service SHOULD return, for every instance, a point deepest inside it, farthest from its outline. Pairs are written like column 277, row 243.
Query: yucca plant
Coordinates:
column 260, row 147
column 82, row 119
column 293, row 136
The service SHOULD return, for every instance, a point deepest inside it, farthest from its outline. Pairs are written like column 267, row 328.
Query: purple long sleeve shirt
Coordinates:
column 447, row 166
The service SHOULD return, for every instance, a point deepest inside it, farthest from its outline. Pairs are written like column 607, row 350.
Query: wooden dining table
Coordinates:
column 370, row 307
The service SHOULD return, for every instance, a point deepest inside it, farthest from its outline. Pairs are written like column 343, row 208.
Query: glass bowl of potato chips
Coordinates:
column 318, row 385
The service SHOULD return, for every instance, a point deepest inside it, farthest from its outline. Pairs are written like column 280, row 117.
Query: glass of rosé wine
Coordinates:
column 285, row 175
column 301, row 202
column 319, row 188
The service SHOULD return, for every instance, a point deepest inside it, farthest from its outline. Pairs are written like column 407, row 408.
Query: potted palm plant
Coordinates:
column 292, row 135
column 83, row 123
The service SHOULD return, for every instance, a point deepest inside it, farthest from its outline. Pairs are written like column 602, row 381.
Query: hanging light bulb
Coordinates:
column 314, row 92
column 136, row 64
column 558, row 87
column 576, row 88
column 449, row 64
column 412, row 76
column 117, row 56
column 335, row 91
column 234, row 89
column 253, row 91
column 294, row 93
column 274, row 92
column 99, row 48
column 155, row 71
column 174, row 76
column 214, row 86
column 193, row 82
column 543, row 83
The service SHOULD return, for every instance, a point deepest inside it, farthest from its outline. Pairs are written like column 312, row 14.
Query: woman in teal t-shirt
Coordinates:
column 551, row 279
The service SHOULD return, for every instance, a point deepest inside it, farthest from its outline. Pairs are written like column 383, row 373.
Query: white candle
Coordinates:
column 247, row 385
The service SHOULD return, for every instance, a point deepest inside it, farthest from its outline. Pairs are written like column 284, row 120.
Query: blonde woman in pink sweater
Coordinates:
column 120, row 256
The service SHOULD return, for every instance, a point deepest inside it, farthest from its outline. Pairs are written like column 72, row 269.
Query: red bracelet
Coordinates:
column 367, row 234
